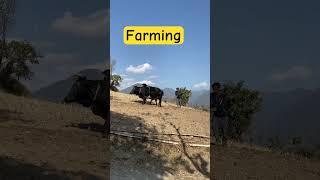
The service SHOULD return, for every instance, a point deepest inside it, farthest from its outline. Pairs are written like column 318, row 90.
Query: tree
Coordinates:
column 241, row 104
column 115, row 82
column 185, row 95
column 115, row 79
column 7, row 13
column 17, row 57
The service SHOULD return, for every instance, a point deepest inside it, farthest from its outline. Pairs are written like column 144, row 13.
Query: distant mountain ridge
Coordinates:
column 58, row 90
column 289, row 114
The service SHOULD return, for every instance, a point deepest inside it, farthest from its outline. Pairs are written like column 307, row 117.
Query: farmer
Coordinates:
column 178, row 96
column 219, row 122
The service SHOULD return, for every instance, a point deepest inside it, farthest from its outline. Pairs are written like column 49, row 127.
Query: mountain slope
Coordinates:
column 200, row 98
column 39, row 141
column 169, row 94
column 236, row 161
column 289, row 114
column 58, row 90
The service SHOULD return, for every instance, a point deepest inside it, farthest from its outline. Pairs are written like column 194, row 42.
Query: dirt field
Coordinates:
column 36, row 142
column 155, row 160
column 235, row 162
column 128, row 114
column 244, row 162
column 43, row 140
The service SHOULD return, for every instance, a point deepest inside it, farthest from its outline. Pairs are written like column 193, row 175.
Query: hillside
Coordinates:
column 164, row 120
column 200, row 98
column 166, row 123
column 237, row 161
column 44, row 140
column 58, row 90
column 289, row 114
column 38, row 141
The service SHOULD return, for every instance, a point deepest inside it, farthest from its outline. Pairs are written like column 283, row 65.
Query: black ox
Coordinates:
column 145, row 92
column 94, row 94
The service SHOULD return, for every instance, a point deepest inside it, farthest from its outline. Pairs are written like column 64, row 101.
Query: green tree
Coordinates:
column 15, row 65
column 115, row 82
column 241, row 104
column 18, row 55
column 15, row 56
column 115, row 79
column 185, row 95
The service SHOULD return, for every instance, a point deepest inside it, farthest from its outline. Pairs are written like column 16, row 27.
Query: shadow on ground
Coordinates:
column 198, row 162
column 11, row 169
column 135, row 158
column 142, row 159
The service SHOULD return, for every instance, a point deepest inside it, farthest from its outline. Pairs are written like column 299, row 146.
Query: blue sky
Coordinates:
column 187, row 65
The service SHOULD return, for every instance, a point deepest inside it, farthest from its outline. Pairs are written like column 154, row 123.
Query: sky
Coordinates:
column 187, row 65
column 71, row 36
column 271, row 45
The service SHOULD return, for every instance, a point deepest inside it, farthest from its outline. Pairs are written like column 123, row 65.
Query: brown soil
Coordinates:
column 36, row 144
column 43, row 140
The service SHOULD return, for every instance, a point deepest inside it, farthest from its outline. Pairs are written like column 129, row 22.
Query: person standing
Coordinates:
column 219, row 122
column 178, row 96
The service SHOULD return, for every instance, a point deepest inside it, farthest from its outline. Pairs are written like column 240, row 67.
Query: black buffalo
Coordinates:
column 145, row 92
column 94, row 94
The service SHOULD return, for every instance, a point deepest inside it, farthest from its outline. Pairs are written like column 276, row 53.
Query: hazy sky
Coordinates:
column 70, row 35
column 163, row 66
column 272, row 45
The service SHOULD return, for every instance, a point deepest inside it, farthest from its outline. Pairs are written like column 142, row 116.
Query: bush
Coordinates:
column 241, row 104
column 185, row 95
column 115, row 82
column 14, row 64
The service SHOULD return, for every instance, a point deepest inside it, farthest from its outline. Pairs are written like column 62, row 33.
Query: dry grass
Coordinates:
column 35, row 134
column 45, row 114
column 159, row 120
column 36, row 140
column 237, row 161
column 169, row 161
column 248, row 163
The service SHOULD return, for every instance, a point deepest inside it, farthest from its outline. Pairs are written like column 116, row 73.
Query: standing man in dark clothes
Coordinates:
column 219, row 122
column 178, row 96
